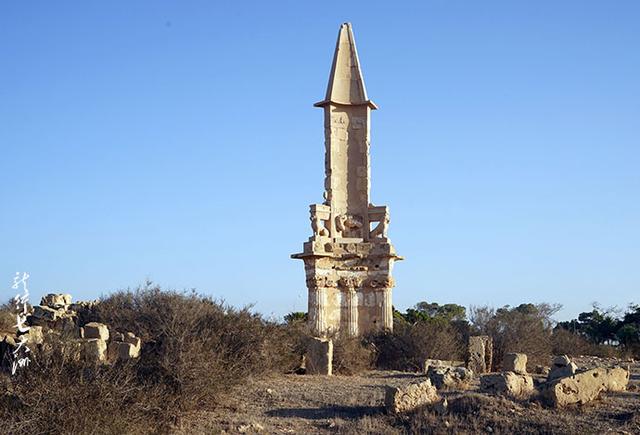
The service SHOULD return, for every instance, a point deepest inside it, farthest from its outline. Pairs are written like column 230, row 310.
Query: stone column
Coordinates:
column 317, row 308
column 352, row 311
column 387, row 309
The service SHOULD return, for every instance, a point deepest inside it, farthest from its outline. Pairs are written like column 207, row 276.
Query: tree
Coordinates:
column 432, row 311
column 295, row 316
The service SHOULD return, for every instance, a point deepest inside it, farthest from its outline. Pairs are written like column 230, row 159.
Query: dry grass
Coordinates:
column 195, row 350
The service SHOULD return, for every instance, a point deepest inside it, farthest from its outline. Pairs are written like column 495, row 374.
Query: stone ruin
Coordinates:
column 349, row 258
column 562, row 385
column 480, row 354
column 59, row 322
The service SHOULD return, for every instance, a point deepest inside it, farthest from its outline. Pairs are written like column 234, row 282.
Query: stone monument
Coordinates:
column 348, row 260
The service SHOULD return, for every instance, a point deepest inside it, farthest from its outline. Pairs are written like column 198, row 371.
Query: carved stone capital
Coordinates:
column 350, row 282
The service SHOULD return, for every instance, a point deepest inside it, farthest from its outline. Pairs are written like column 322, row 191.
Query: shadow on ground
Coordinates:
column 345, row 412
column 397, row 375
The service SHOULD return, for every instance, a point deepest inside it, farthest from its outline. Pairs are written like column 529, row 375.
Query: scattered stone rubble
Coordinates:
column 407, row 398
column 450, row 378
column 59, row 322
column 564, row 386
column 441, row 363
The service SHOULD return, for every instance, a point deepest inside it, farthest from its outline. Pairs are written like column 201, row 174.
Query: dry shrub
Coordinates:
column 286, row 345
column 7, row 317
column 526, row 328
column 567, row 343
column 351, row 355
column 409, row 345
column 194, row 351
column 57, row 393
column 195, row 347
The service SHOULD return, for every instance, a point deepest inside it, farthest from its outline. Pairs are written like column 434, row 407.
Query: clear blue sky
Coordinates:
column 177, row 141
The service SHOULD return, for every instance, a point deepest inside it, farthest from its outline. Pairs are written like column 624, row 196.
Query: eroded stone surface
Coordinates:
column 444, row 377
column 586, row 386
column 319, row 356
column 56, row 300
column 515, row 362
column 348, row 263
column 480, row 354
column 507, row 383
column 94, row 350
column 562, row 367
column 404, row 399
column 95, row 330
column 127, row 351
column 440, row 363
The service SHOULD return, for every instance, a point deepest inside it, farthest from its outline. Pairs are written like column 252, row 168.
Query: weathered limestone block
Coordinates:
column 441, row 363
column 127, row 351
column 319, row 356
column 47, row 313
column 95, row 330
column 94, row 350
column 507, row 383
column 450, row 377
column 130, row 338
column 617, row 378
column 515, row 362
column 542, row 370
column 404, row 399
column 56, row 300
column 586, row 386
column 35, row 335
column 562, row 367
column 480, row 354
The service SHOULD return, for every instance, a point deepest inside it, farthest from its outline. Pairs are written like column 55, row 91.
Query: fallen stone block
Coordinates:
column 515, row 362
column 94, row 350
column 507, row 383
column 95, row 330
column 450, row 377
column 127, row 351
column 407, row 398
column 46, row 313
column 35, row 335
column 130, row 338
column 562, row 367
column 56, row 300
column 586, row 386
column 319, row 356
column 542, row 370
column 440, row 363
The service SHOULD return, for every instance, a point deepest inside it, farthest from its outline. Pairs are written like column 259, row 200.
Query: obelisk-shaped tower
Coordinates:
column 348, row 263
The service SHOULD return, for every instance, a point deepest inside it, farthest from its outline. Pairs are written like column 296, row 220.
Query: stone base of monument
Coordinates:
column 319, row 356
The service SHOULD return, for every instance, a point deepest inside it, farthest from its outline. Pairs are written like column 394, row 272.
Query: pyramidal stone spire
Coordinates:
column 346, row 85
column 348, row 259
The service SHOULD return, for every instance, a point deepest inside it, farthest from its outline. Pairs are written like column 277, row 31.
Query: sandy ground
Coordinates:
column 300, row 404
